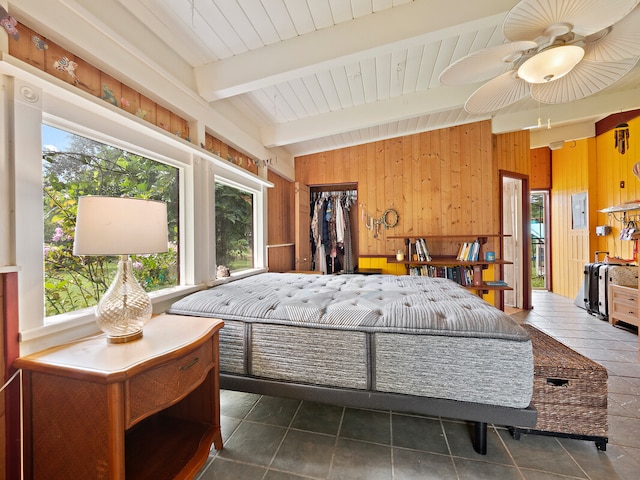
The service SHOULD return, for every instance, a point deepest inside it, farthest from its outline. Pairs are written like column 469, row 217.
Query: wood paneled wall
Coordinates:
column 540, row 169
column 42, row 53
column 3, row 365
column 443, row 182
column 513, row 152
column 281, row 224
column 613, row 168
column 596, row 167
column 573, row 172
column 10, row 433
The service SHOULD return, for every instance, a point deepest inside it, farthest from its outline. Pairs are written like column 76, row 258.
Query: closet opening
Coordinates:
column 333, row 231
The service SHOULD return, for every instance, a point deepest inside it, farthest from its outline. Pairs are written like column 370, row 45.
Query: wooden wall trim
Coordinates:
column 610, row 122
column 10, row 350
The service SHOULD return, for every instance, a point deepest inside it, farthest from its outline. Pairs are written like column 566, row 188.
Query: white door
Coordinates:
column 512, row 245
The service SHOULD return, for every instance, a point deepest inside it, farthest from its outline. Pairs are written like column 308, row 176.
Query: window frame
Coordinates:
column 256, row 207
column 110, row 142
column 36, row 101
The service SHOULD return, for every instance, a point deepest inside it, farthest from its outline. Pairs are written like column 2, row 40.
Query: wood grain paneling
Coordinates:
column 281, row 258
column 10, row 433
column 86, row 77
column 443, row 182
column 613, row 168
column 30, row 48
column 280, row 227
column 281, row 211
column 572, row 173
column 540, row 168
column 3, row 361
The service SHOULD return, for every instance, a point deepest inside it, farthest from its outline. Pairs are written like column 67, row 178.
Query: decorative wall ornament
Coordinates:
column 621, row 137
column 636, row 170
column 66, row 65
column 39, row 43
column 108, row 96
column 29, row 94
column 9, row 23
column 388, row 219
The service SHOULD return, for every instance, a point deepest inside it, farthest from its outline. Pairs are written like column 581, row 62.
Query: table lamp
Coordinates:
column 121, row 226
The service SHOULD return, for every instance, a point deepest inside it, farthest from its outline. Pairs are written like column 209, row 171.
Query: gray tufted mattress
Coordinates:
column 410, row 335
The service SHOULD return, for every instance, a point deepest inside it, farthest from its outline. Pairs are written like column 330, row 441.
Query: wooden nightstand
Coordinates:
column 145, row 409
column 623, row 304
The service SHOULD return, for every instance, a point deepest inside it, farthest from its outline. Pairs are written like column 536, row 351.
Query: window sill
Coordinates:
column 69, row 327
column 237, row 276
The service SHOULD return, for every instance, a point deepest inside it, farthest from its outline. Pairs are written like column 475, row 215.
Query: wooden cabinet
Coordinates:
column 623, row 304
column 144, row 409
column 475, row 283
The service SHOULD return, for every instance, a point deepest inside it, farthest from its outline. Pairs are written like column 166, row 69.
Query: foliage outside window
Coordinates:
column 234, row 227
column 78, row 167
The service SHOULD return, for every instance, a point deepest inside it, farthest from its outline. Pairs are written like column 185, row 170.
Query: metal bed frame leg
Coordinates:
column 480, row 438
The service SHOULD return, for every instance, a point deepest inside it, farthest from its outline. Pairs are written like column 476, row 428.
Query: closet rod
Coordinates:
column 326, row 193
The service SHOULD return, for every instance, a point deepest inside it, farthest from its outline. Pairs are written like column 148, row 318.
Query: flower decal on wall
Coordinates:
column 9, row 23
column 68, row 66
column 39, row 43
column 108, row 96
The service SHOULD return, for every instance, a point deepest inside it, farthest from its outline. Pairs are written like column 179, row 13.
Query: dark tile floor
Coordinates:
column 269, row 438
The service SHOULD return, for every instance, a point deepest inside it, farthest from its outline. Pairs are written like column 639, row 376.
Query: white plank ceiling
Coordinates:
column 314, row 75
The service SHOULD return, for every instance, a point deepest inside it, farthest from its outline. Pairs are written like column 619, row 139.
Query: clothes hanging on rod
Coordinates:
column 350, row 196
column 331, row 231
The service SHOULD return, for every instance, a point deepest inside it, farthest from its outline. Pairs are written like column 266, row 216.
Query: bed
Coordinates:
column 405, row 343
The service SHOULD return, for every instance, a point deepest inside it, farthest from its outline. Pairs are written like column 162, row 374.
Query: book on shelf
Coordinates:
column 422, row 251
column 469, row 251
column 425, row 249
column 462, row 251
column 474, row 251
column 419, row 253
column 460, row 274
column 496, row 283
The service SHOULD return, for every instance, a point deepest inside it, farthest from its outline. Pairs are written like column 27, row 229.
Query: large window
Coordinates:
column 89, row 148
column 234, row 227
column 74, row 166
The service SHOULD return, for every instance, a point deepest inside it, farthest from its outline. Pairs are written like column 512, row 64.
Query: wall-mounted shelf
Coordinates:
column 625, row 207
column 469, row 273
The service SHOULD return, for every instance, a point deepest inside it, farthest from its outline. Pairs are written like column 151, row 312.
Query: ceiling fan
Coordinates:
column 559, row 51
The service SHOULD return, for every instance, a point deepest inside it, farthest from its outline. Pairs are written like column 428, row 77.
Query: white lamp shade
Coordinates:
column 551, row 64
column 120, row 226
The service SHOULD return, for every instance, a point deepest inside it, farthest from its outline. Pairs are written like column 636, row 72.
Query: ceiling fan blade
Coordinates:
column 529, row 19
column 622, row 41
column 586, row 78
column 485, row 64
column 498, row 93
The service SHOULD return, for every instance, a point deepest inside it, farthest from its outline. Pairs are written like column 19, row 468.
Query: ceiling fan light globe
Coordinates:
column 551, row 64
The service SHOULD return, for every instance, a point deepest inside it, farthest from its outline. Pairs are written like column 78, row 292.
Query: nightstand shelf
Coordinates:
column 144, row 409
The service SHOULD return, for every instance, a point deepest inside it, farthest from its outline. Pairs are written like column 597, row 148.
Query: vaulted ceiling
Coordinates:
column 304, row 76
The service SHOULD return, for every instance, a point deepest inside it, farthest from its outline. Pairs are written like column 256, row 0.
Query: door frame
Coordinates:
column 526, row 230
column 548, row 266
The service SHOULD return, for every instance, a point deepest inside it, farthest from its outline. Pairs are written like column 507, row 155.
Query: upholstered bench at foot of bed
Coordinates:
column 480, row 414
